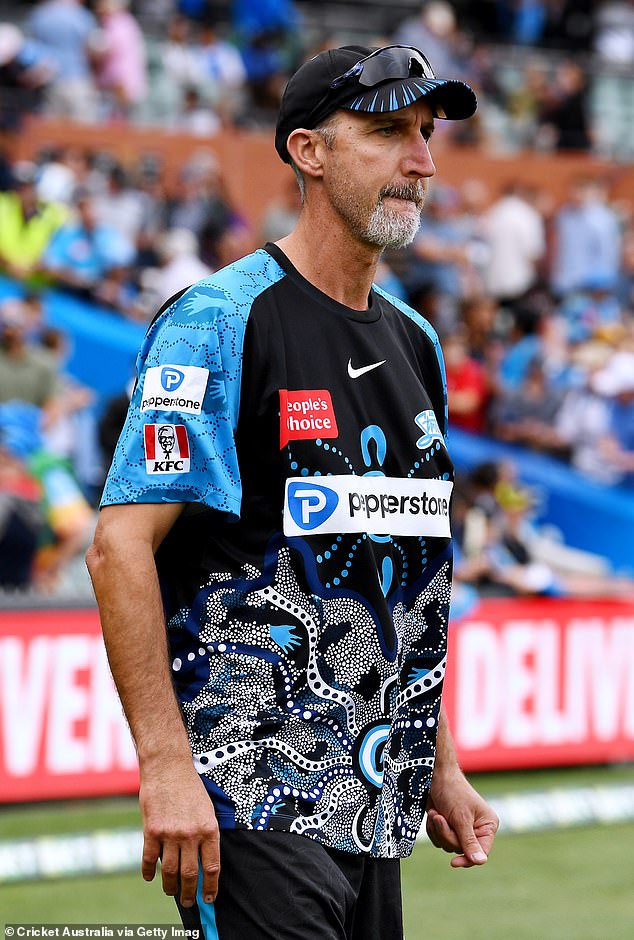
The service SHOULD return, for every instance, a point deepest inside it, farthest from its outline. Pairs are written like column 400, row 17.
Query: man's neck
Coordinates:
column 333, row 261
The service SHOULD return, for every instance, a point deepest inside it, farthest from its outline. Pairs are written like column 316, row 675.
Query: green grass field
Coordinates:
column 573, row 884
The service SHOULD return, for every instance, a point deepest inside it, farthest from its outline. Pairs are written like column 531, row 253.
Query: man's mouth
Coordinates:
column 411, row 193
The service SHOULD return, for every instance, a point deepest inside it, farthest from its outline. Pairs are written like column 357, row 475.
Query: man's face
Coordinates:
column 376, row 173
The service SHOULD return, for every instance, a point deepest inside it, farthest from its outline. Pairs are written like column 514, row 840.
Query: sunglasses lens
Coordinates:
column 391, row 63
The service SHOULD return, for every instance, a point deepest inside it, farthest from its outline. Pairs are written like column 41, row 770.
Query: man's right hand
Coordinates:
column 180, row 829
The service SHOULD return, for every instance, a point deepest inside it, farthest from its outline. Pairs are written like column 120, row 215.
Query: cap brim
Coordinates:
column 449, row 99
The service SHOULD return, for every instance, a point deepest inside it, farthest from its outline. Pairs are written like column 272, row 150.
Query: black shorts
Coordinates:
column 282, row 886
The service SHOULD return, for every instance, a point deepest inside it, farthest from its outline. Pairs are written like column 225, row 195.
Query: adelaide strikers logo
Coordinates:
column 428, row 423
column 166, row 448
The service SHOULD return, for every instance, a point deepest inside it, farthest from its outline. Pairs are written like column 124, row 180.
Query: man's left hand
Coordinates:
column 460, row 821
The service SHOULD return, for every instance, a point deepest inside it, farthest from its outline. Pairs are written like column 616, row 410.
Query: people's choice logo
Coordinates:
column 306, row 414
column 171, row 378
column 376, row 505
column 166, row 448
column 310, row 505
column 174, row 388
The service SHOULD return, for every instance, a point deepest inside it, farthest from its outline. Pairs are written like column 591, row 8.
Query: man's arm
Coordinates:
column 179, row 823
column 458, row 819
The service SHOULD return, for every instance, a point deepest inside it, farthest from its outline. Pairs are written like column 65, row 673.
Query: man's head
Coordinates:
column 363, row 80
column 360, row 122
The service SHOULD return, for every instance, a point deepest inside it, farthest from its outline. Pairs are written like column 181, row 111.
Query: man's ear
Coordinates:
column 306, row 150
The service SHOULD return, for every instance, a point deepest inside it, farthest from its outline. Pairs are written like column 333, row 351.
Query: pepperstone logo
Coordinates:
column 306, row 414
column 376, row 505
column 311, row 505
column 166, row 448
column 174, row 388
column 171, row 378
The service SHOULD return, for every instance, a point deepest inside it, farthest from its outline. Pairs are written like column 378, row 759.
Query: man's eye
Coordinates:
column 387, row 131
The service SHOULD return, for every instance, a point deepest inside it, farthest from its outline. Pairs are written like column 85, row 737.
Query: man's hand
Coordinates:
column 459, row 820
column 180, row 828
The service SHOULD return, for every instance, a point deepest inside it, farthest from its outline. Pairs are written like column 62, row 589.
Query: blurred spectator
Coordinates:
column 522, row 22
column 202, row 204
column 526, row 414
column 57, row 180
column 524, row 104
column 22, row 519
column 84, row 251
column 181, row 264
column 569, row 24
column 502, row 552
column 25, row 372
column 195, row 116
column 441, row 255
column 25, row 71
column 565, row 112
column 266, row 32
column 281, row 214
column 467, row 384
column 222, row 71
column 434, row 31
column 591, row 309
column 182, row 65
column 614, row 32
column 586, row 238
column 121, row 206
column 27, row 225
column 616, row 383
column 479, row 316
column 625, row 284
column 514, row 232
column 65, row 29
column 583, row 419
column 522, row 347
column 119, row 56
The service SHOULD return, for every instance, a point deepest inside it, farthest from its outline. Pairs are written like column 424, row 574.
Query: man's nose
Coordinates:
column 419, row 161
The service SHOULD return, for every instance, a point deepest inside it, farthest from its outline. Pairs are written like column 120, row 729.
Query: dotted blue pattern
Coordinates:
column 205, row 327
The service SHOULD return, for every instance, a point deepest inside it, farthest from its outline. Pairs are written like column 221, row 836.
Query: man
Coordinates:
column 84, row 251
column 307, row 607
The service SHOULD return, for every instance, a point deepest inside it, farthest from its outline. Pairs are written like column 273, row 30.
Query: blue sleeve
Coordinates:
column 177, row 444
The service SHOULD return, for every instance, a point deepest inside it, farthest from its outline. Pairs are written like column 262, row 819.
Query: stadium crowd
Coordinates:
column 534, row 301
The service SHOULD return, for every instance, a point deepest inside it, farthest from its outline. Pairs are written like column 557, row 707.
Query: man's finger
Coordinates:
column 440, row 832
column 169, row 868
column 210, row 863
column 188, row 874
column 151, row 853
column 469, row 845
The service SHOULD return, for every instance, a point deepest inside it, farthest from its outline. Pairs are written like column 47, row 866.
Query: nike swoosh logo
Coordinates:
column 355, row 373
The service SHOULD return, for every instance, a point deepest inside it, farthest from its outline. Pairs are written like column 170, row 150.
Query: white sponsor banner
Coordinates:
column 376, row 505
column 174, row 388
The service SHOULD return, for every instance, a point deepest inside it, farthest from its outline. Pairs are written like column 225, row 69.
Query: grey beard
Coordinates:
column 389, row 228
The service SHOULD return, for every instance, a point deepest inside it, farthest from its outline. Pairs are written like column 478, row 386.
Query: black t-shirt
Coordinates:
column 307, row 607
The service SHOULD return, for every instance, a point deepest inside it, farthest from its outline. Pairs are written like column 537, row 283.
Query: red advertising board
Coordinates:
column 541, row 682
column 530, row 683
column 62, row 730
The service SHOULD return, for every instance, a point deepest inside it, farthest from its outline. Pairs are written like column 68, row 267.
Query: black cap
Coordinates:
column 310, row 97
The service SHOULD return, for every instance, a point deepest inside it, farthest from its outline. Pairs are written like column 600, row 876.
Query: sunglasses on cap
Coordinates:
column 387, row 64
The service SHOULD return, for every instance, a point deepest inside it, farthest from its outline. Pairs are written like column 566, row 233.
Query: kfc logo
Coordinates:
column 166, row 448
